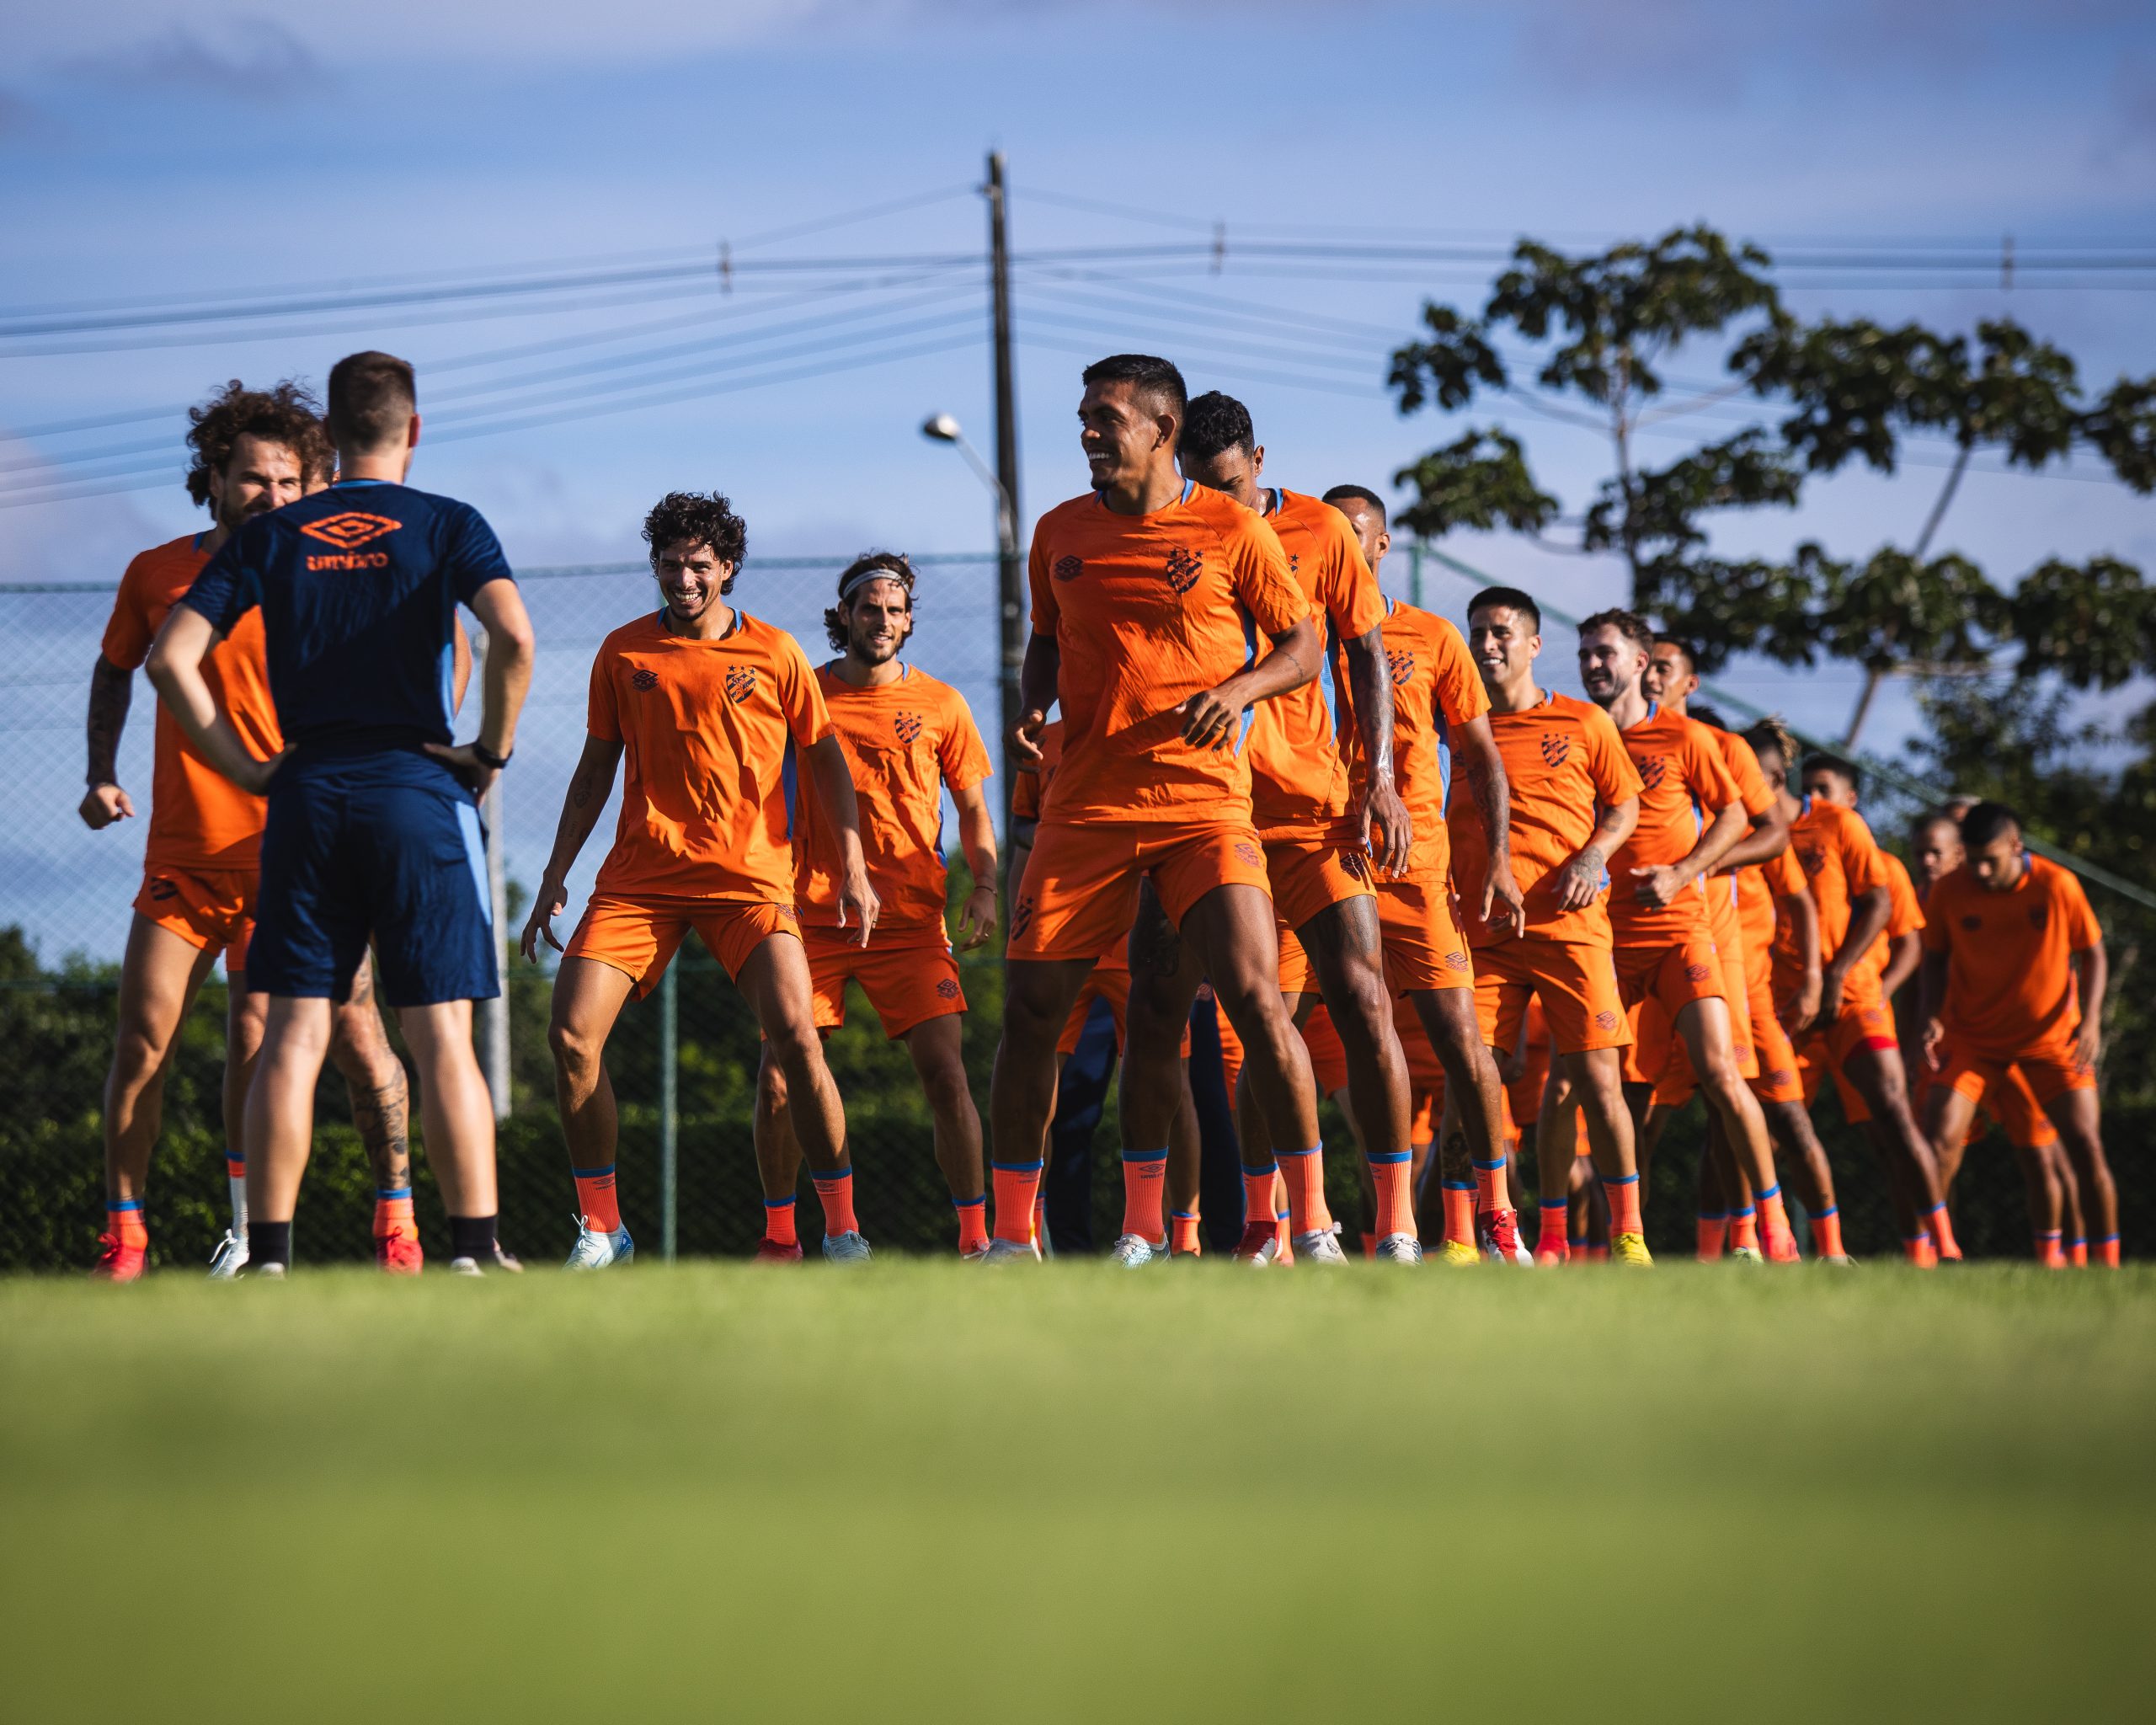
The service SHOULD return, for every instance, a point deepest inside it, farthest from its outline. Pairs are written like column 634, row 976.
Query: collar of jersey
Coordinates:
column 658, row 616
column 336, row 483
column 1188, row 486
column 831, row 665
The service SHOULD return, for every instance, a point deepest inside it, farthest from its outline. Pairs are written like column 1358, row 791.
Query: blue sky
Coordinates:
column 147, row 149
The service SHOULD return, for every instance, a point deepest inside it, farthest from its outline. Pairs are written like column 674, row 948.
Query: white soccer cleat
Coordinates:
column 594, row 1250
column 465, row 1266
column 1134, row 1252
column 848, row 1247
column 229, row 1259
column 274, row 1271
column 1399, row 1248
column 1002, row 1251
column 1319, row 1246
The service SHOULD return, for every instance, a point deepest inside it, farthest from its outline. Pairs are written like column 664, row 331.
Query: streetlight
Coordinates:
column 944, row 428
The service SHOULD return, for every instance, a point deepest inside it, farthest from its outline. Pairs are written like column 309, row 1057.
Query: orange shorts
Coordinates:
column 908, row 982
column 1081, row 884
column 1310, row 871
column 1822, row 1053
column 1674, row 1081
column 639, row 937
column 1423, row 946
column 211, row 910
column 2048, row 1075
column 1670, row 977
column 1328, row 1058
column 2008, row 1103
column 1778, row 1079
column 1577, row 984
column 1110, row 981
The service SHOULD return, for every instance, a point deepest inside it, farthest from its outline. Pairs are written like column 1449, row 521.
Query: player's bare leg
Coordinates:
column 158, row 978
column 2076, row 1115
column 456, row 1111
column 1037, row 994
column 2072, row 1223
column 1185, row 1153
column 381, row 1101
column 1705, row 1025
column 280, row 1124
column 1592, row 1081
column 937, row 1049
column 776, row 983
column 1877, row 1075
column 1475, row 1095
column 245, row 1014
column 1342, row 943
column 588, row 998
column 1165, row 974
column 778, row 1163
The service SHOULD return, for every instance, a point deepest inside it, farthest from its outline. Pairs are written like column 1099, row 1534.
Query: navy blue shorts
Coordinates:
column 385, row 847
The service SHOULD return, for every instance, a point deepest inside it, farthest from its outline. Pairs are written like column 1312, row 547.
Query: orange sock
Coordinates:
column 1713, row 1234
column 393, row 1215
column 1624, row 1196
column 778, row 1222
column 1257, row 1193
column 1283, row 1237
column 1921, row 1252
column 835, row 1193
column 1370, row 1244
column 2050, row 1254
column 1395, row 1194
column 1773, row 1214
column 1304, row 1170
column 1017, row 1186
column 1040, row 1218
column 1942, row 1234
column 1182, row 1234
column 1144, row 1171
column 1598, row 1254
column 973, row 1224
column 2077, row 1254
column 1488, row 1178
column 595, row 1198
column 1553, row 1218
column 1827, row 1233
column 1459, row 1212
column 1744, row 1230
column 2107, row 1252
column 123, row 1217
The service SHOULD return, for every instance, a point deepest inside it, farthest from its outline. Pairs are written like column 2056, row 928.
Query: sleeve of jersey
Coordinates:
column 1751, row 790
column 806, row 714
column 1045, row 610
column 127, row 632
column 1785, row 875
column 1461, row 696
column 961, row 753
column 1906, row 915
column 476, row 556
column 1710, row 780
column 1938, row 929
column 1351, row 598
column 2083, row 930
column 227, row 589
column 1862, row 865
column 1025, row 796
column 603, row 717
column 1258, row 568
column 1616, row 780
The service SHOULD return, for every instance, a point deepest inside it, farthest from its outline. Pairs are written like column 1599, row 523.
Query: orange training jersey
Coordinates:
column 905, row 742
column 1760, row 890
column 1435, row 690
column 705, row 726
column 1724, row 891
column 2010, row 984
column 1841, row 862
column 1298, row 779
column 198, row 819
column 1146, row 612
column 1904, row 914
column 1680, row 766
column 1565, row 762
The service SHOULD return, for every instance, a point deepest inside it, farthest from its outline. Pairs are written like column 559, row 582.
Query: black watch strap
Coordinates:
column 488, row 758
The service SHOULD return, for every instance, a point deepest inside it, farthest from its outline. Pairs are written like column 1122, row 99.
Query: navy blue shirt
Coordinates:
column 359, row 587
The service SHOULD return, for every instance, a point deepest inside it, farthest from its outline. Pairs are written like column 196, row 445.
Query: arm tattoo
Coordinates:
column 1493, row 801
column 1369, row 693
column 112, row 690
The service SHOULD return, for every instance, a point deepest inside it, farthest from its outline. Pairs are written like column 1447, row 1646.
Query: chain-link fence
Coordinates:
column 683, row 1062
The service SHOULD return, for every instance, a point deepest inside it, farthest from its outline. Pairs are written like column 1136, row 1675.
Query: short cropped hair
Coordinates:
column 1987, row 822
column 1705, row 714
column 1819, row 760
column 1770, row 734
column 1628, row 623
column 1144, row 372
column 1506, row 599
column 698, row 518
column 1342, row 495
column 285, row 413
column 887, row 565
column 1691, row 659
column 1212, row 425
column 371, row 396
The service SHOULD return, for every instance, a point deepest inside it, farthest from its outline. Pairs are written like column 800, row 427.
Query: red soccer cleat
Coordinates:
column 771, row 1251
column 1503, row 1230
column 117, row 1261
column 1260, row 1244
column 399, row 1255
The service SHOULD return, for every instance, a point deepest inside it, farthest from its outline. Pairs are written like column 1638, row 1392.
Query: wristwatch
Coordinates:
column 487, row 757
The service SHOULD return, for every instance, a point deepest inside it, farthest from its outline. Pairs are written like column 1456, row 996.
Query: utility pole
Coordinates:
column 1010, row 589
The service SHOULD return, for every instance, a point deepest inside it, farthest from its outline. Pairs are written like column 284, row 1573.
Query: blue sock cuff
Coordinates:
column 1556, row 1203
column 1714, row 1215
column 2109, row 1240
column 778, row 1204
column 968, row 1203
column 1821, row 1215
column 591, row 1173
column 1487, row 1168
column 1457, row 1185
column 1315, row 1149
column 1250, row 1173
column 1772, row 1191
column 820, row 1181
column 383, row 1195
column 1145, row 1156
column 1032, row 1168
column 1184, row 1215
column 122, row 1203
column 1936, row 1208
column 1389, row 1159
column 1620, row 1179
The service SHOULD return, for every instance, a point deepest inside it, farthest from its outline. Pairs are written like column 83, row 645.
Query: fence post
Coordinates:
column 1415, row 574
column 669, row 998
column 493, row 1014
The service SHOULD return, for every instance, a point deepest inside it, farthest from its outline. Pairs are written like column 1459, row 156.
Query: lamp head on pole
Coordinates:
column 941, row 428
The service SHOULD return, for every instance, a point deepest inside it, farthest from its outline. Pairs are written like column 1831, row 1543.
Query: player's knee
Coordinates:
column 575, row 1048
column 771, row 1093
column 944, row 1085
column 137, row 1054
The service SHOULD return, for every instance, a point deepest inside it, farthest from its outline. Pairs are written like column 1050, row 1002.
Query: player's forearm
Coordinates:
column 1369, row 687
column 1934, row 975
column 835, row 787
column 1612, row 827
column 185, row 690
column 112, row 691
column 1292, row 663
column 1803, row 918
column 1722, row 833
column 1768, row 839
column 1484, row 769
column 509, row 654
column 1037, row 676
column 2092, row 969
column 977, row 839
column 1868, row 915
column 1903, row 956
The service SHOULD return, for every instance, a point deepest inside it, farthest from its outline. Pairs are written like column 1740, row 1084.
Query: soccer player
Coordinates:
column 372, row 828
column 908, row 738
column 1440, row 714
column 705, row 704
column 1574, row 796
column 1691, row 814
column 1853, row 1031
column 1142, row 592
column 253, row 451
column 1316, row 841
column 2013, row 977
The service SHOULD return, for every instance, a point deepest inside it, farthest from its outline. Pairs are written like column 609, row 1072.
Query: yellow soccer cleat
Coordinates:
column 1631, row 1249
column 1459, row 1254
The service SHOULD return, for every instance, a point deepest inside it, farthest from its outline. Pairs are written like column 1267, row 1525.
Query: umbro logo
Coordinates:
column 908, row 726
column 740, row 683
column 1250, row 853
column 1456, row 961
column 350, row 530
column 1605, row 1021
column 1972, row 922
column 646, row 680
column 1182, row 568
column 1356, row 864
column 948, row 988
column 1653, row 770
column 1068, row 569
column 1696, row 973
column 1556, row 751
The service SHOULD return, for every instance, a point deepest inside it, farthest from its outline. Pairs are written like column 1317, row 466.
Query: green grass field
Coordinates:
column 921, row 1491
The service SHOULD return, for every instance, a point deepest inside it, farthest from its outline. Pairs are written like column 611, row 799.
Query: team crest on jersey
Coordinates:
column 1605, row 1021
column 1181, row 570
column 1811, row 858
column 2035, row 916
column 908, row 726
column 1651, row 771
column 1022, row 919
column 1455, row 961
column 348, row 530
column 1696, row 973
column 740, row 683
column 1250, row 853
column 948, row 988
column 1356, row 864
column 1972, row 922
column 1068, row 569
column 1402, row 663
column 644, row 678
column 1556, row 751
